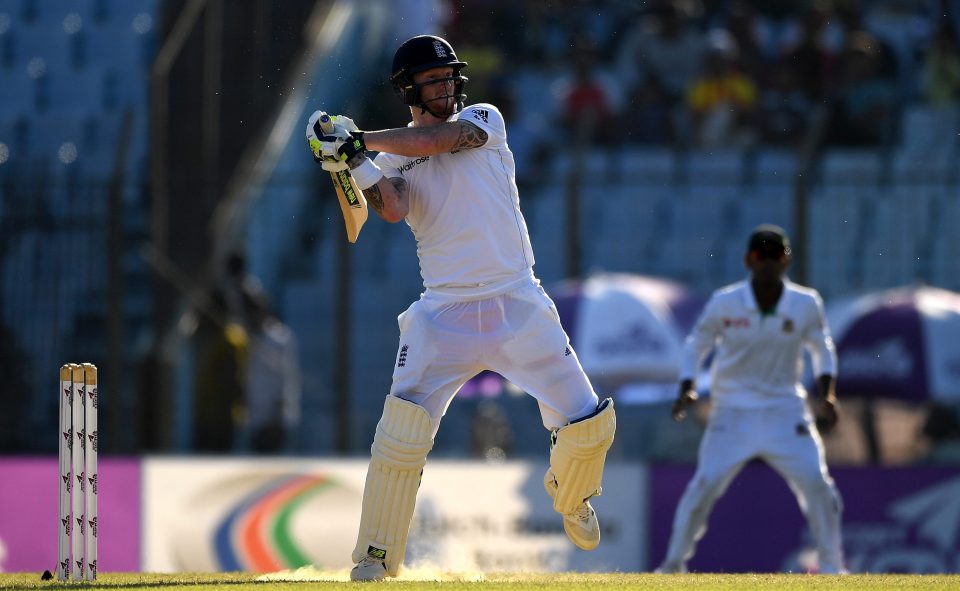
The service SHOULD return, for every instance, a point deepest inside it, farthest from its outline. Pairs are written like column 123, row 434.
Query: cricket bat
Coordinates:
column 353, row 205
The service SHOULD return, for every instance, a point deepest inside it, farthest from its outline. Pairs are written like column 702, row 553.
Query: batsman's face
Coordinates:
column 437, row 89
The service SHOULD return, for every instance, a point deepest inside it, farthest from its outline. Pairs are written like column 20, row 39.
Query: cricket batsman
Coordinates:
column 450, row 175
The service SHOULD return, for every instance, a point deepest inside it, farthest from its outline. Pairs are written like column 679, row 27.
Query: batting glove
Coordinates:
column 351, row 146
column 342, row 123
column 337, row 125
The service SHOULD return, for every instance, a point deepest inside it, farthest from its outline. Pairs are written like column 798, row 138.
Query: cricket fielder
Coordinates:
column 450, row 175
column 759, row 329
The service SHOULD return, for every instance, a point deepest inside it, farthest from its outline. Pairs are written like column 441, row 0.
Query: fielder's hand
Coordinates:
column 686, row 397
column 826, row 408
column 827, row 414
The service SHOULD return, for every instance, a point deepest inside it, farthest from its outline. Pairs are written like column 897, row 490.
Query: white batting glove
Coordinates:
column 341, row 124
column 324, row 146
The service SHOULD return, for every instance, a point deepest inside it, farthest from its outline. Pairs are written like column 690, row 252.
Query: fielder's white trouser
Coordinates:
column 518, row 334
column 787, row 439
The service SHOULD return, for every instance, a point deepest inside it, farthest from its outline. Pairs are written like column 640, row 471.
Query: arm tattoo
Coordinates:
column 399, row 183
column 471, row 136
column 374, row 198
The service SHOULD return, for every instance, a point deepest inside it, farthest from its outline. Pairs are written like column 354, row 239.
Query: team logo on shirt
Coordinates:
column 736, row 322
column 787, row 325
column 481, row 115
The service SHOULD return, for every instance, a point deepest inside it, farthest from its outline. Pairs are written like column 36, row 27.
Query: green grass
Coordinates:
column 310, row 581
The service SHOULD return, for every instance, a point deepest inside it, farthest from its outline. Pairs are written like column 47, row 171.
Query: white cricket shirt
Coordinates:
column 472, row 240
column 758, row 359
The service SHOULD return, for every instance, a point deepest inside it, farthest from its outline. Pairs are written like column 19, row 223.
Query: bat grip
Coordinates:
column 326, row 124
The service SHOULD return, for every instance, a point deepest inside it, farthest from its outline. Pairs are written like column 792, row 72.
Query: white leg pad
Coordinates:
column 398, row 454
column 577, row 457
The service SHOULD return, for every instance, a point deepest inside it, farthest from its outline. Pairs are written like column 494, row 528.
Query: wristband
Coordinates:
column 367, row 174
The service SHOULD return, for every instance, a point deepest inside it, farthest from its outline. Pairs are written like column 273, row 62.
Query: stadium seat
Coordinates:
column 653, row 166
column 713, row 167
column 929, row 131
column 850, row 166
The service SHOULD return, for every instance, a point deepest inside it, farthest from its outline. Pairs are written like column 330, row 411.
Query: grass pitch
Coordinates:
column 312, row 580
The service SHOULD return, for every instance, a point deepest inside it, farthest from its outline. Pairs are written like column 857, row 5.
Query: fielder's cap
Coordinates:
column 766, row 236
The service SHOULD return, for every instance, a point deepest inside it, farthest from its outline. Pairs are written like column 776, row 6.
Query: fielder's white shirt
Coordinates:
column 472, row 240
column 758, row 359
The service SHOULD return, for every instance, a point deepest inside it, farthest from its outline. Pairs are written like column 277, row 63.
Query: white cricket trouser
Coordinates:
column 787, row 439
column 518, row 334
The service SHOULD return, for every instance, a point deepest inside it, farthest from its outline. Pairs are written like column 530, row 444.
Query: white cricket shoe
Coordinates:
column 369, row 569
column 581, row 526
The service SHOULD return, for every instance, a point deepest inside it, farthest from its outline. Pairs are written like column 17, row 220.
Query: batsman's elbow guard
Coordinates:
column 577, row 456
column 367, row 174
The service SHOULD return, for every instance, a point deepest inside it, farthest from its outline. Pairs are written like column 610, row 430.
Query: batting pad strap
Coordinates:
column 577, row 457
column 367, row 174
column 398, row 454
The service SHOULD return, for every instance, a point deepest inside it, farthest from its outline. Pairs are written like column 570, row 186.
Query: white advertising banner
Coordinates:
column 265, row 515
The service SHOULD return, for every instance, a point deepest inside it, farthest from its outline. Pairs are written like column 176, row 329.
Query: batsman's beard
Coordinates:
column 446, row 109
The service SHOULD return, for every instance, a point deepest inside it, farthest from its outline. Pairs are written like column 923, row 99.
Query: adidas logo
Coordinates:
column 402, row 359
column 481, row 115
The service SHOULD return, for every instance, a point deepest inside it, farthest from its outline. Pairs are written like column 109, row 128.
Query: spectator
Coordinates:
column 722, row 99
column 666, row 46
column 588, row 99
column 219, row 379
column 743, row 27
column 272, row 380
column 785, row 108
column 868, row 99
column 813, row 63
column 238, row 284
column 940, row 74
column 649, row 121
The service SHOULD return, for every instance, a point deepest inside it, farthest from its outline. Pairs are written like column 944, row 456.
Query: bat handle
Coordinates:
column 326, row 124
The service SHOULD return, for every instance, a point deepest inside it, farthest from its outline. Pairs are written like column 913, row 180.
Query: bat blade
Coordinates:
column 353, row 205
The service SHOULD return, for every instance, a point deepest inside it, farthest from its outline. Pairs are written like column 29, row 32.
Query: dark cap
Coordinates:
column 766, row 236
column 423, row 52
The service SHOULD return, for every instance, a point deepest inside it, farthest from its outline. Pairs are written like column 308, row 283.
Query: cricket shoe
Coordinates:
column 369, row 569
column 581, row 526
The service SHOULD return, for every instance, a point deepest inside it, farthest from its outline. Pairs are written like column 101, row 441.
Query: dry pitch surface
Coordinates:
column 308, row 579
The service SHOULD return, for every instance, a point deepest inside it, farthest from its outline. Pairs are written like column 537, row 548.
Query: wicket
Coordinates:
column 78, row 473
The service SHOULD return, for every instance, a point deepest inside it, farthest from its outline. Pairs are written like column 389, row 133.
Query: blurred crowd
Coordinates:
column 705, row 73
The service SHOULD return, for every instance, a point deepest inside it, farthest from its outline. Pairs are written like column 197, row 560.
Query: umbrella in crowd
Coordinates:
column 900, row 343
column 626, row 329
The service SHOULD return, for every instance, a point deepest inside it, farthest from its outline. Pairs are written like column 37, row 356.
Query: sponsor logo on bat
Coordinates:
column 343, row 177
